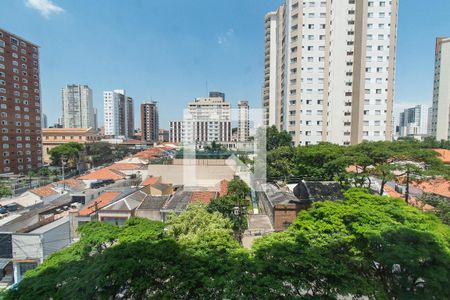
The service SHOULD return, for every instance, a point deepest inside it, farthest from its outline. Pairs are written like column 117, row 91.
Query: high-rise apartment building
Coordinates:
column 329, row 70
column 95, row 119
column 243, row 129
column 20, row 105
column 130, row 117
column 149, row 122
column 175, row 131
column 440, row 128
column 118, row 114
column 44, row 123
column 413, row 122
column 77, row 108
column 206, row 119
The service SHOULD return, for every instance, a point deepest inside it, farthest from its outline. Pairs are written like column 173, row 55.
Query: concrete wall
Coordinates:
column 154, row 215
column 56, row 238
column 206, row 176
column 27, row 246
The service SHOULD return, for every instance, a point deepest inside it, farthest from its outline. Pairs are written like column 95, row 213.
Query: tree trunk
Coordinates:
column 407, row 187
column 383, row 183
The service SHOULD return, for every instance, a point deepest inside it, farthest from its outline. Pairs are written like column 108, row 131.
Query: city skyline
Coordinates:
column 227, row 46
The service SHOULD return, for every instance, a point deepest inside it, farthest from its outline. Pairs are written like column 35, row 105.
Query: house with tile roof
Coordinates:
column 438, row 186
column 89, row 212
column 151, row 180
column 119, row 211
column 101, row 174
column 150, row 208
column 202, row 197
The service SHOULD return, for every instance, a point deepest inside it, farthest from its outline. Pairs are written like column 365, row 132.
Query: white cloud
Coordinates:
column 224, row 37
column 45, row 7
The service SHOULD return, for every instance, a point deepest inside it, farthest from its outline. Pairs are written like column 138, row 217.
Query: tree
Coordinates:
column 275, row 138
column 119, row 152
column 227, row 206
column 4, row 190
column 237, row 187
column 366, row 245
column 280, row 163
column 323, row 161
column 100, row 153
column 441, row 206
column 69, row 152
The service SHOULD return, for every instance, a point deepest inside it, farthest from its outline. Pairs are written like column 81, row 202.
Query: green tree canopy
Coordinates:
column 69, row 151
column 4, row 190
column 275, row 138
column 365, row 245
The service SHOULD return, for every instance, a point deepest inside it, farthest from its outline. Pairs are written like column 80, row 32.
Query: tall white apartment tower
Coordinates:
column 413, row 121
column 77, row 108
column 243, row 129
column 440, row 128
column 117, row 114
column 329, row 70
column 207, row 119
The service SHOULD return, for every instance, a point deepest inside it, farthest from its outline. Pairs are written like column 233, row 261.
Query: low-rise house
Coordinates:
column 176, row 204
column 438, row 186
column 203, row 197
column 159, row 189
column 26, row 250
column 128, row 169
column 281, row 204
column 151, row 180
column 89, row 212
column 119, row 211
column 102, row 174
column 151, row 206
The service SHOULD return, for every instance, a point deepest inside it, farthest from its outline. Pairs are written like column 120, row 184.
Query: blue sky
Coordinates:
column 168, row 50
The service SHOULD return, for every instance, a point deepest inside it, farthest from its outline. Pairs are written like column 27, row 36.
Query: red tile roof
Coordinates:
column 125, row 166
column 412, row 201
column 202, row 197
column 44, row 191
column 100, row 202
column 444, row 155
column 439, row 186
column 105, row 173
column 151, row 180
column 70, row 182
column 150, row 153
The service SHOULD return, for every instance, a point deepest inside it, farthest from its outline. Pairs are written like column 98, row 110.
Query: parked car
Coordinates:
column 11, row 207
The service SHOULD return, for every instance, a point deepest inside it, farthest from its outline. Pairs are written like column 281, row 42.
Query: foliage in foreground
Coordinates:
column 364, row 245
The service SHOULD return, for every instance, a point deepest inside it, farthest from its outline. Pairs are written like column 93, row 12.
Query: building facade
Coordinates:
column 44, row 123
column 440, row 128
column 149, row 122
column 207, row 119
column 20, row 104
column 413, row 122
column 243, row 129
column 77, row 108
column 53, row 137
column 329, row 70
column 163, row 135
column 130, row 117
column 118, row 114
column 175, row 131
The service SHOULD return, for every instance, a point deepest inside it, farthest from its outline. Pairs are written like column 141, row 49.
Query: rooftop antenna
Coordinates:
column 206, row 88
